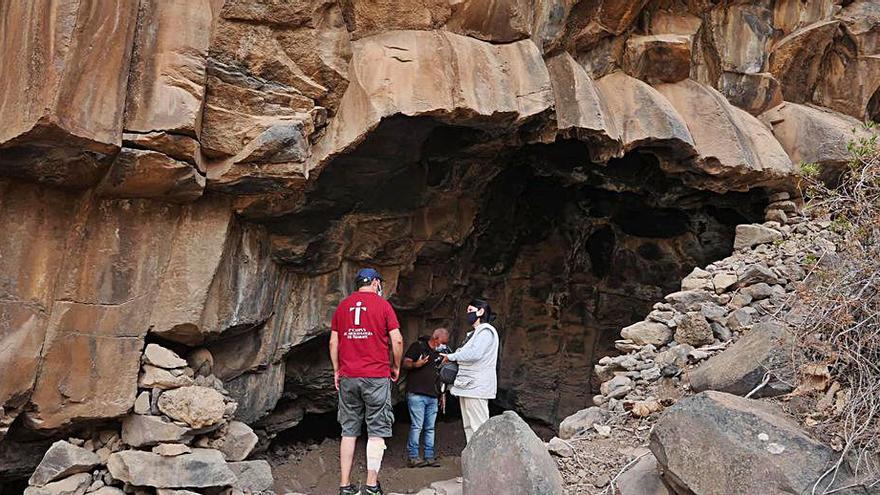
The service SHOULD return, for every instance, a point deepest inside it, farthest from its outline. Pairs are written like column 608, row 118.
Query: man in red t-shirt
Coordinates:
column 362, row 326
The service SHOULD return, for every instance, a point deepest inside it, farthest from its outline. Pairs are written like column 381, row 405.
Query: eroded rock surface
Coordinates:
column 209, row 175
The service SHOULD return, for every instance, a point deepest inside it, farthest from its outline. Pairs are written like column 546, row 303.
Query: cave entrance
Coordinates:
column 567, row 250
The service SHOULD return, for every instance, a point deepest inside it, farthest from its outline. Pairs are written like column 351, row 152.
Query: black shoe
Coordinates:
column 373, row 490
column 414, row 462
column 431, row 462
column 349, row 490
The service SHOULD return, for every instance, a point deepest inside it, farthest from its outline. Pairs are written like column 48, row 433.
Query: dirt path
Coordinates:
column 314, row 469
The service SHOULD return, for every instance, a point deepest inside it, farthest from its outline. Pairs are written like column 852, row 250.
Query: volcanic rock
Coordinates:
column 647, row 332
column 202, row 468
column 751, row 235
column 139, row 431
column 766, row 348
column 252, row 476
column 580, row 421
column 61, row 460
column 73, row 485
column 728, row 429
column 694, row 330
column 525, row 467
column 196, row 406
column 162, row 357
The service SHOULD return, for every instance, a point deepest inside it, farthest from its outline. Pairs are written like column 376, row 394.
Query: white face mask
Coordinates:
column 379, row 291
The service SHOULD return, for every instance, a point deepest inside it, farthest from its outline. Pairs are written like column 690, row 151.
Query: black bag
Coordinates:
column 447, row 372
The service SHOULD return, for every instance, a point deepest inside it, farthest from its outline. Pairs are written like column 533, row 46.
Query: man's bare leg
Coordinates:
column 346, row 457
column 375, row 451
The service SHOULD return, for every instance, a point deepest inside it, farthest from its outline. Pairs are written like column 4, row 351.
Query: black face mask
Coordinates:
column 472, row 317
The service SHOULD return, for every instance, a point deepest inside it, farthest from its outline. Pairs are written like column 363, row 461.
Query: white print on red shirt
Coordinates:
column 358, row 333
column 358, row 307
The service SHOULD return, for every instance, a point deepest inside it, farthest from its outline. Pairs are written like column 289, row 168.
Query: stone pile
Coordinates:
column 179, row 439
column 728, row 305
column 725, row 332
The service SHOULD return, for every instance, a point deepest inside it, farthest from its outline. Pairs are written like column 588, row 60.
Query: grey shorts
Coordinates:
column 365, row 399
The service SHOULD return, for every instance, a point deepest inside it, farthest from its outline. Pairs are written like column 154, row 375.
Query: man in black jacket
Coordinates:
column 423, row 393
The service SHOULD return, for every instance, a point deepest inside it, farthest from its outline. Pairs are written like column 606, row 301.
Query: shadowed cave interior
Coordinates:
column 568, row 251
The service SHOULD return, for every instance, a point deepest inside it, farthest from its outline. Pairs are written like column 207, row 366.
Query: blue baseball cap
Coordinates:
column 367, row 275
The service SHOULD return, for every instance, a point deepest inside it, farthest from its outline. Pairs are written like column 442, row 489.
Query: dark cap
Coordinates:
column 367, row 275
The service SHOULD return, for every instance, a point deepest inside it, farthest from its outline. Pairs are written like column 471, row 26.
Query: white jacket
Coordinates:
column 477, row 377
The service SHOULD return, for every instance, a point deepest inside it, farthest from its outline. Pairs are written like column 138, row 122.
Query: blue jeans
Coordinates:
column 423, row 414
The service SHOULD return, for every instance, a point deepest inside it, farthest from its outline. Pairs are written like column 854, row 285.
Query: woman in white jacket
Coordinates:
column 477, row 381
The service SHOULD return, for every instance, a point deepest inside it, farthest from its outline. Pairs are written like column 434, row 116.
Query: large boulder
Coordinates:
column 741, row 367
column 505, row 456
column 203, row 468
column 811, row 134
column 196, row 406
column 61, row 460
column 252, row 476
column 236, row 440
column 714, row 443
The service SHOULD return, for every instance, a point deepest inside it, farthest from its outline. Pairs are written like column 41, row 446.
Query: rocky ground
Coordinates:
column 724, row 331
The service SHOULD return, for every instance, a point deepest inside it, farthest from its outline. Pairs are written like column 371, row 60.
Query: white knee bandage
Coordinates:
column 375, row 451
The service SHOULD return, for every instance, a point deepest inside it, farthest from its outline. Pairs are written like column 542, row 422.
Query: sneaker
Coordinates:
column 373, row 490
column 431, row 462
column 349, row 490
column 414, row 462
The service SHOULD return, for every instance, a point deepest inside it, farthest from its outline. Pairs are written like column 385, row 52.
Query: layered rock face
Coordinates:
column 210, row 174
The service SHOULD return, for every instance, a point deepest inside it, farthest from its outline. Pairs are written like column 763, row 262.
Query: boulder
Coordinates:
column 153, row 377
column 196, row 406
column 741, row 367
column 107, row 490
column 141, row 431
column 757, row 274
column 252, row 476
column 163, row 358
column 73, row 485
column 723, row 281
column 523, row 467
column 643, row 478
column 694, row 330
column 714, row 443
column 237, row 440
column 61, row 460
column 647, row 332
column 660, row 58
column 203, row 468
column 811, row 134
column 750, row 235
column 201, row 361
column 580, row 421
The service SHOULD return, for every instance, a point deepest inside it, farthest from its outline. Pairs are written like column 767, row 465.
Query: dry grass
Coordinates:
column 840, row 333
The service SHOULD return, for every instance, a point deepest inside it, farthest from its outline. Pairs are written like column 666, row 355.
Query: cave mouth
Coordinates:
column 568, row 251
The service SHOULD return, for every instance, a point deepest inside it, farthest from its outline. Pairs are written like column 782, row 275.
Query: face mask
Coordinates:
column 472, row 317
column 379, row 291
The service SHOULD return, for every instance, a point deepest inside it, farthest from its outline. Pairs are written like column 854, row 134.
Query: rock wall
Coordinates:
column 209, row 175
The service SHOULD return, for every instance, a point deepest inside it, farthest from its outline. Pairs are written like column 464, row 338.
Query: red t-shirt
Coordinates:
column 363, row 321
